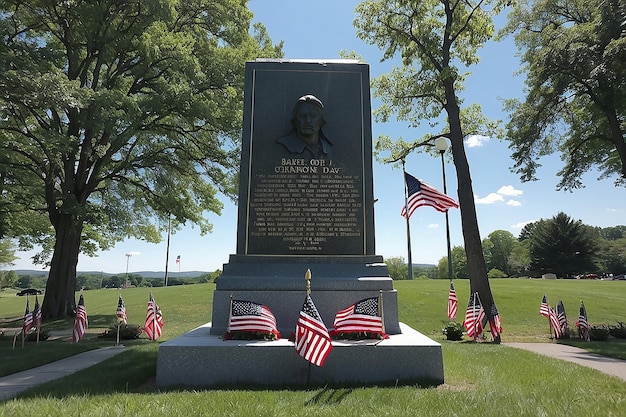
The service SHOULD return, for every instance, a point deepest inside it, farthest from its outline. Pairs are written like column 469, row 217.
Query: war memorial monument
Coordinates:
column 306, row 202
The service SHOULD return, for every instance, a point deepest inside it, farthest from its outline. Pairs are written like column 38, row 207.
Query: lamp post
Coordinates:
column 128, row 255
column 442, row 145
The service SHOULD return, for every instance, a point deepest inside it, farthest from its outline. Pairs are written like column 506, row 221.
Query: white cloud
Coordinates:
column 513, row 203
column 521, row 224
column 433, row 226
column 473, row 141
column 509, row 190
column 490, row 199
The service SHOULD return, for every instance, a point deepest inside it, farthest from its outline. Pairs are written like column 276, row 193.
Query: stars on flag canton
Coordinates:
column 248, row 316
column 360, row 317
column 474, row 317
column 28, row 319
column 560, row 311
column 421, row 194
column 37, row 313
column 154, row 320
column 312, row 340
column 80, row 321
column 582, row 323
column 121, row 311
column 453, row 302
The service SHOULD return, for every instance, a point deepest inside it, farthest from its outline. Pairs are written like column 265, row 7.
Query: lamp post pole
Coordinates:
column 442, row 145
column 128, row 255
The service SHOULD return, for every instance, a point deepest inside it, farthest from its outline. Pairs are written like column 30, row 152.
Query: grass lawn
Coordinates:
column 481, row 378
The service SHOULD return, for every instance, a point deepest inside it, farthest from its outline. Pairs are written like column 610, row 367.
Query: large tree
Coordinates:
column 574, row 53
column 436, row 39
column 562, row 246
column 116, row 115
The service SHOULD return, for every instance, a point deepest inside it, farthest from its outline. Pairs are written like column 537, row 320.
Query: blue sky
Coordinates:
column 319, row 30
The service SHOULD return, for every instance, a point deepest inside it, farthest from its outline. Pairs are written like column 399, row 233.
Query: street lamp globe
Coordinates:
column 441, row 144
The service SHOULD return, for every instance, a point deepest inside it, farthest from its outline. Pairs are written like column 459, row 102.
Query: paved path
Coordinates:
column 13, row 384
column 610, row 366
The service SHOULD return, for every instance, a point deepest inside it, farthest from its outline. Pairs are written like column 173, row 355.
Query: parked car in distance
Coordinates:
column 620, row 277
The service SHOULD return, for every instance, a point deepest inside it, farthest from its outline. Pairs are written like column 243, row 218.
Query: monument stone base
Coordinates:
column 201, row 359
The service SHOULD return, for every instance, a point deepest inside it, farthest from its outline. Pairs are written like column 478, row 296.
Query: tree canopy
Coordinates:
column 574, row 55
column 436, row 39
column 115, row 116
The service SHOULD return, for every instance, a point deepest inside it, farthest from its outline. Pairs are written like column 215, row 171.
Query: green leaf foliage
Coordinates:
column 574, row 55
column 118, row 116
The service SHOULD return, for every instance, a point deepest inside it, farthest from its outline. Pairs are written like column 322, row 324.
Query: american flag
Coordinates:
column 554, row 321
column 582, row 323
column 360, row 317
column 28, row 319
column 544, row 308
column 248, row 316
column 121, row 311
column 37, row 313
column 560, row 310
column 80, row 321
column 312, row 339
column 495, row 322
column 178, row 259
column 453, row 302
column 421, row 194
column 154, row 320
column 474, row 316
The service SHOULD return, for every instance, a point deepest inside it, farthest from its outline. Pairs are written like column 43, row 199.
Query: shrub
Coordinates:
column 618, row 331
column 453, row 331
column 127, row 332
column 599, row 333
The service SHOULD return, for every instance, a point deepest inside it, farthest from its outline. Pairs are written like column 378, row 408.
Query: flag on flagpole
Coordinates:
column 154, row 320
column 495, row 322
column 544, row 308
column 178, row 259
column 121, row 311
column 582, row 323
column 453, row 302
column 554, row 320
column 248, row 316
column 312, row 340
column 80, row 321
column 37, row 313
column 474, row 316
column 421, row 194
column 360, row 317
column 28, row 319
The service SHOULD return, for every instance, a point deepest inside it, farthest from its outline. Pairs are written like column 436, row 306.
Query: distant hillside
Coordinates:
column 145, row 274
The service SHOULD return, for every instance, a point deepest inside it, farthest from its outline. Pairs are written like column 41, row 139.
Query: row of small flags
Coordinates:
column 153, row 325
column 312, row 339
column 557, row 318
column 474, row 315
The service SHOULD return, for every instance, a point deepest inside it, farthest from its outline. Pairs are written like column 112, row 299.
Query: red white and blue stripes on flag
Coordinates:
column 474, row 316
column 453, row 302
column 312, row 340
column 154, row 320
column 248, row 316
column 421, row 194
column 80, row 321
column 361, row 317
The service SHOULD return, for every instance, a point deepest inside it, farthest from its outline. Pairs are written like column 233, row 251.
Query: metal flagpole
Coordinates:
column 380, row 308
column 408, row 227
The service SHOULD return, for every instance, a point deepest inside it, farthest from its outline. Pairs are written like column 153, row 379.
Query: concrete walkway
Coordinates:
column 610, row 366
column 13, row 384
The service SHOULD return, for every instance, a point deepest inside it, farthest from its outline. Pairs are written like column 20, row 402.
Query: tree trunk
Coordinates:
column 476, row 267
column 59, row 300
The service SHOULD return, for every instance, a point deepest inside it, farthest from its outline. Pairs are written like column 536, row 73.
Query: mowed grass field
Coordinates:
column 480, row 378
